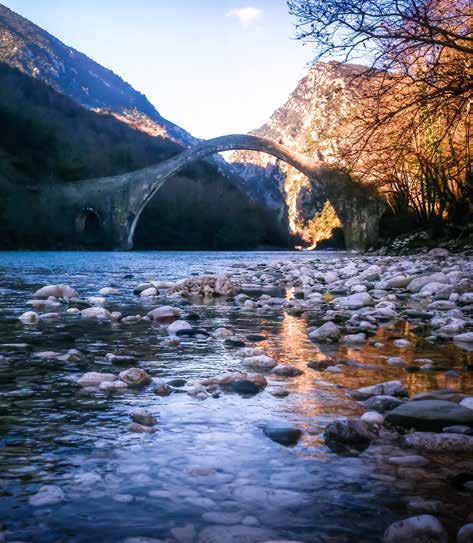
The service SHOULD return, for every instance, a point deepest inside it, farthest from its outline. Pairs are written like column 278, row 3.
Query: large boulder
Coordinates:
column 58, row 291
column 421, row 529
column 430, row 415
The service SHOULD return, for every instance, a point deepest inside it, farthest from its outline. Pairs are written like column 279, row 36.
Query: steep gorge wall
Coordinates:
column 315, row 120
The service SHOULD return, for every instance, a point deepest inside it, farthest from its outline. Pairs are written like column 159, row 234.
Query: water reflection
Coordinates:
column 207, row 457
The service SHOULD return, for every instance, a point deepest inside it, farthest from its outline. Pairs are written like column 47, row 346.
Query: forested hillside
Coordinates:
column 47, row 138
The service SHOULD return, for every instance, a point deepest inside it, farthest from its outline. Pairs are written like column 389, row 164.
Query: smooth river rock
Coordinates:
column 282, row 433
column 389, row 388
column 444, row 442
column 47, row 495
column 430, row 415
column 94, row 379
column 420, row 529
column 58, row 291
column 135, row 377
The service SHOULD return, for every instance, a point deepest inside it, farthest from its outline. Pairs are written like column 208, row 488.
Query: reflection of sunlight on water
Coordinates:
column 292, row 346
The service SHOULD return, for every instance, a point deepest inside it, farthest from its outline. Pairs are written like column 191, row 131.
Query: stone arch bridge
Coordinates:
column 106, row 211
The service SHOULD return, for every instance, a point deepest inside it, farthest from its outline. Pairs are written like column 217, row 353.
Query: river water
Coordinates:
column 209, row 474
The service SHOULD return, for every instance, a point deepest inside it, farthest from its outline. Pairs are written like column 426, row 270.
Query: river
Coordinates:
column 209, row 473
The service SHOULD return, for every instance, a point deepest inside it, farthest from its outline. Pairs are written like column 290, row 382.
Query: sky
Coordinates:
column 213, row 67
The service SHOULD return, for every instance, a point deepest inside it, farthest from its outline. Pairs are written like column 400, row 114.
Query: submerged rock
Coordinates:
column 163, row 389
column 420, row 529
column 283, row 370
column 244, row 386
column 141, row 428
column 135, row 377
column 141, row 416
column 282, row 433
column 223, row 332
column 30, row 317
column 47, row 495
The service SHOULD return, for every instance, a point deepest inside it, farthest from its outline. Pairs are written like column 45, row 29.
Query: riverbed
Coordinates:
column 209, row 473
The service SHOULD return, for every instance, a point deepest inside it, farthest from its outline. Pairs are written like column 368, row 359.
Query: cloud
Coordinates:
column 247, row 16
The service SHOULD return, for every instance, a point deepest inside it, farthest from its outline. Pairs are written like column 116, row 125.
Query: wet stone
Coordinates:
column 140, row 428
column 281, row 433
column 430, row 415
column 244, row 386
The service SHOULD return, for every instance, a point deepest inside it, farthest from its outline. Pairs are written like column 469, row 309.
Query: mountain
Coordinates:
column 315, row 120
column 60, row 142
column 38, row 54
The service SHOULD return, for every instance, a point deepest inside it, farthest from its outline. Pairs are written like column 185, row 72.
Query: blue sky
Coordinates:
column 211, row 66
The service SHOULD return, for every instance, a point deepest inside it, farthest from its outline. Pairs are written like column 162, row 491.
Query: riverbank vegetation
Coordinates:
column 412, row 132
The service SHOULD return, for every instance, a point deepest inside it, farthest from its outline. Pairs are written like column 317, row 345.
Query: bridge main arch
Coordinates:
column 121, row 199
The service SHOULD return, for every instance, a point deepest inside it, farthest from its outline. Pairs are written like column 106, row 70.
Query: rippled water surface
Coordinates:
column 209, row 472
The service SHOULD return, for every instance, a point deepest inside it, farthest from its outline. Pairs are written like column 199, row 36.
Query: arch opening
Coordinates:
column 205, row 214
column 89, row 228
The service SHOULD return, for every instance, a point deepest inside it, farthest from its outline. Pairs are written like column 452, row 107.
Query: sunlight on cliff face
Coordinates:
column 322, row 224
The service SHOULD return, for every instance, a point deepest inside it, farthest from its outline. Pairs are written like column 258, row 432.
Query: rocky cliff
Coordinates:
column 314, row 120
